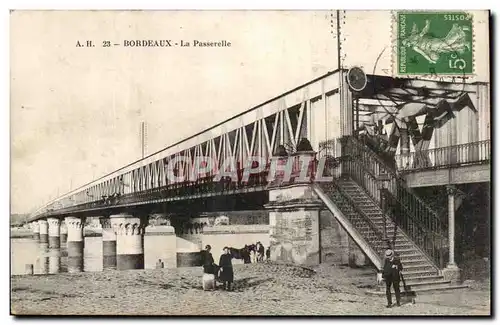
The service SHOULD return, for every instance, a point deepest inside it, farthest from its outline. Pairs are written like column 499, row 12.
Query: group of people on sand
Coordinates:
column 222, row 272
column 391, row 272
column 255, row 253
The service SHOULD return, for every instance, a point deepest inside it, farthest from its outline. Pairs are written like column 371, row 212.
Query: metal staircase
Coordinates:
column 361, row 191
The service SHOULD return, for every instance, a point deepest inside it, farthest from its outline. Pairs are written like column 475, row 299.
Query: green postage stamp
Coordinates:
column 434, row 43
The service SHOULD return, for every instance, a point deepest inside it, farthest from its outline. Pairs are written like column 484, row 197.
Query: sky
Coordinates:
column 76, row 111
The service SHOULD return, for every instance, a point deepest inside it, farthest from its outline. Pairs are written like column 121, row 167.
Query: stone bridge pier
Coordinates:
column 35, row 226
column 129, row 231
column 63, row 234
column 54, row 232
column 162, row 241
column 108, row 244
column 75, row 243
column 123, row 243
column 44, row 232
column 294, row 224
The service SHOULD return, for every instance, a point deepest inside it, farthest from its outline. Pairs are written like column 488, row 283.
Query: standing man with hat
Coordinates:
column 391, row 275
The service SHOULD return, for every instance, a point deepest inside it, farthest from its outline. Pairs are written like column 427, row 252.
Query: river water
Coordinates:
column 27, row 251
column 44, row 260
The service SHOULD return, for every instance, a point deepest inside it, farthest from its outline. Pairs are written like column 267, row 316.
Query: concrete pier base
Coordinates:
column 452, row 273
column 109, row 255
column 54, row 260
column 75, row 256
column 63, row 238
column 161, row 243
column 108, row 244
column 43, row 258
column 44, row 231
column 75, row 244
column 44, row 265
column 294, row 224
column 54, row 232
column 129, row 241
column 36, row 231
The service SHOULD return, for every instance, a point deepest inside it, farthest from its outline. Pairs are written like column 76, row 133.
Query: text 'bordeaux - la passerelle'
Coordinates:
column 172, row 43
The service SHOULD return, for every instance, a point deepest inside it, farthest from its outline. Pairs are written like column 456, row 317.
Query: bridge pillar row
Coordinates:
column 54, row 232
column 75, row 243
column 129, row 241
column 36, row 230
column 108, row 244
column 44, row 231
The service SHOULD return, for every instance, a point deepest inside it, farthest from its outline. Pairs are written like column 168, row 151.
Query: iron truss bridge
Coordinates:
column 321, row 111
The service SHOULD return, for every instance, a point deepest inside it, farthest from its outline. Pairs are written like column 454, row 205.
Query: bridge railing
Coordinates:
column 462, row 154
column 210, row 184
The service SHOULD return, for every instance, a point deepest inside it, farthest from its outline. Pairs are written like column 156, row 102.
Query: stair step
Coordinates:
column 404, row 248
column 359, row 196
column 422, row 284
column 422, row 278
column 420, row 273
column 407, row 251
column 413, row 266
column 409, row 262
column 412, row 274
column 422, row 290
column 411, row 259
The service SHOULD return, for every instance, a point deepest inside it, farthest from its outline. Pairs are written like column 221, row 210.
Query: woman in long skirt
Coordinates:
column 209, row 269
column 209, row 265
column 226, row 269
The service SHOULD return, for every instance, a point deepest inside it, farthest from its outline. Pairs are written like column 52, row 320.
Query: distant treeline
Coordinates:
column 17, row 219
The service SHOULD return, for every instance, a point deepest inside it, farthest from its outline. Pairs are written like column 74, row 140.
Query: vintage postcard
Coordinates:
column 253, row 163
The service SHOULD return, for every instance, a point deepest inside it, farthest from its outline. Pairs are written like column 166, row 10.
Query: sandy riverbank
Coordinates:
column 259, row 290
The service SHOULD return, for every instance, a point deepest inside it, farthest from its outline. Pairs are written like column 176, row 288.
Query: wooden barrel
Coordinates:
column 208, row 281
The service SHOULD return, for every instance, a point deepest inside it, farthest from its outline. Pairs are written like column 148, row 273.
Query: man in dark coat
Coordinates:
column 209, row 265
column 226, row 275
column 391, row 275
column 245, row 254
column 260, row 252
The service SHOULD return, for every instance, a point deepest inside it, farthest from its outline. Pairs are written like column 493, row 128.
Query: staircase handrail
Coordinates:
column 438, row 238
column 358, row 210
column 417, row 222
column 371, row 250
column 414, row 213
column 398, row 178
